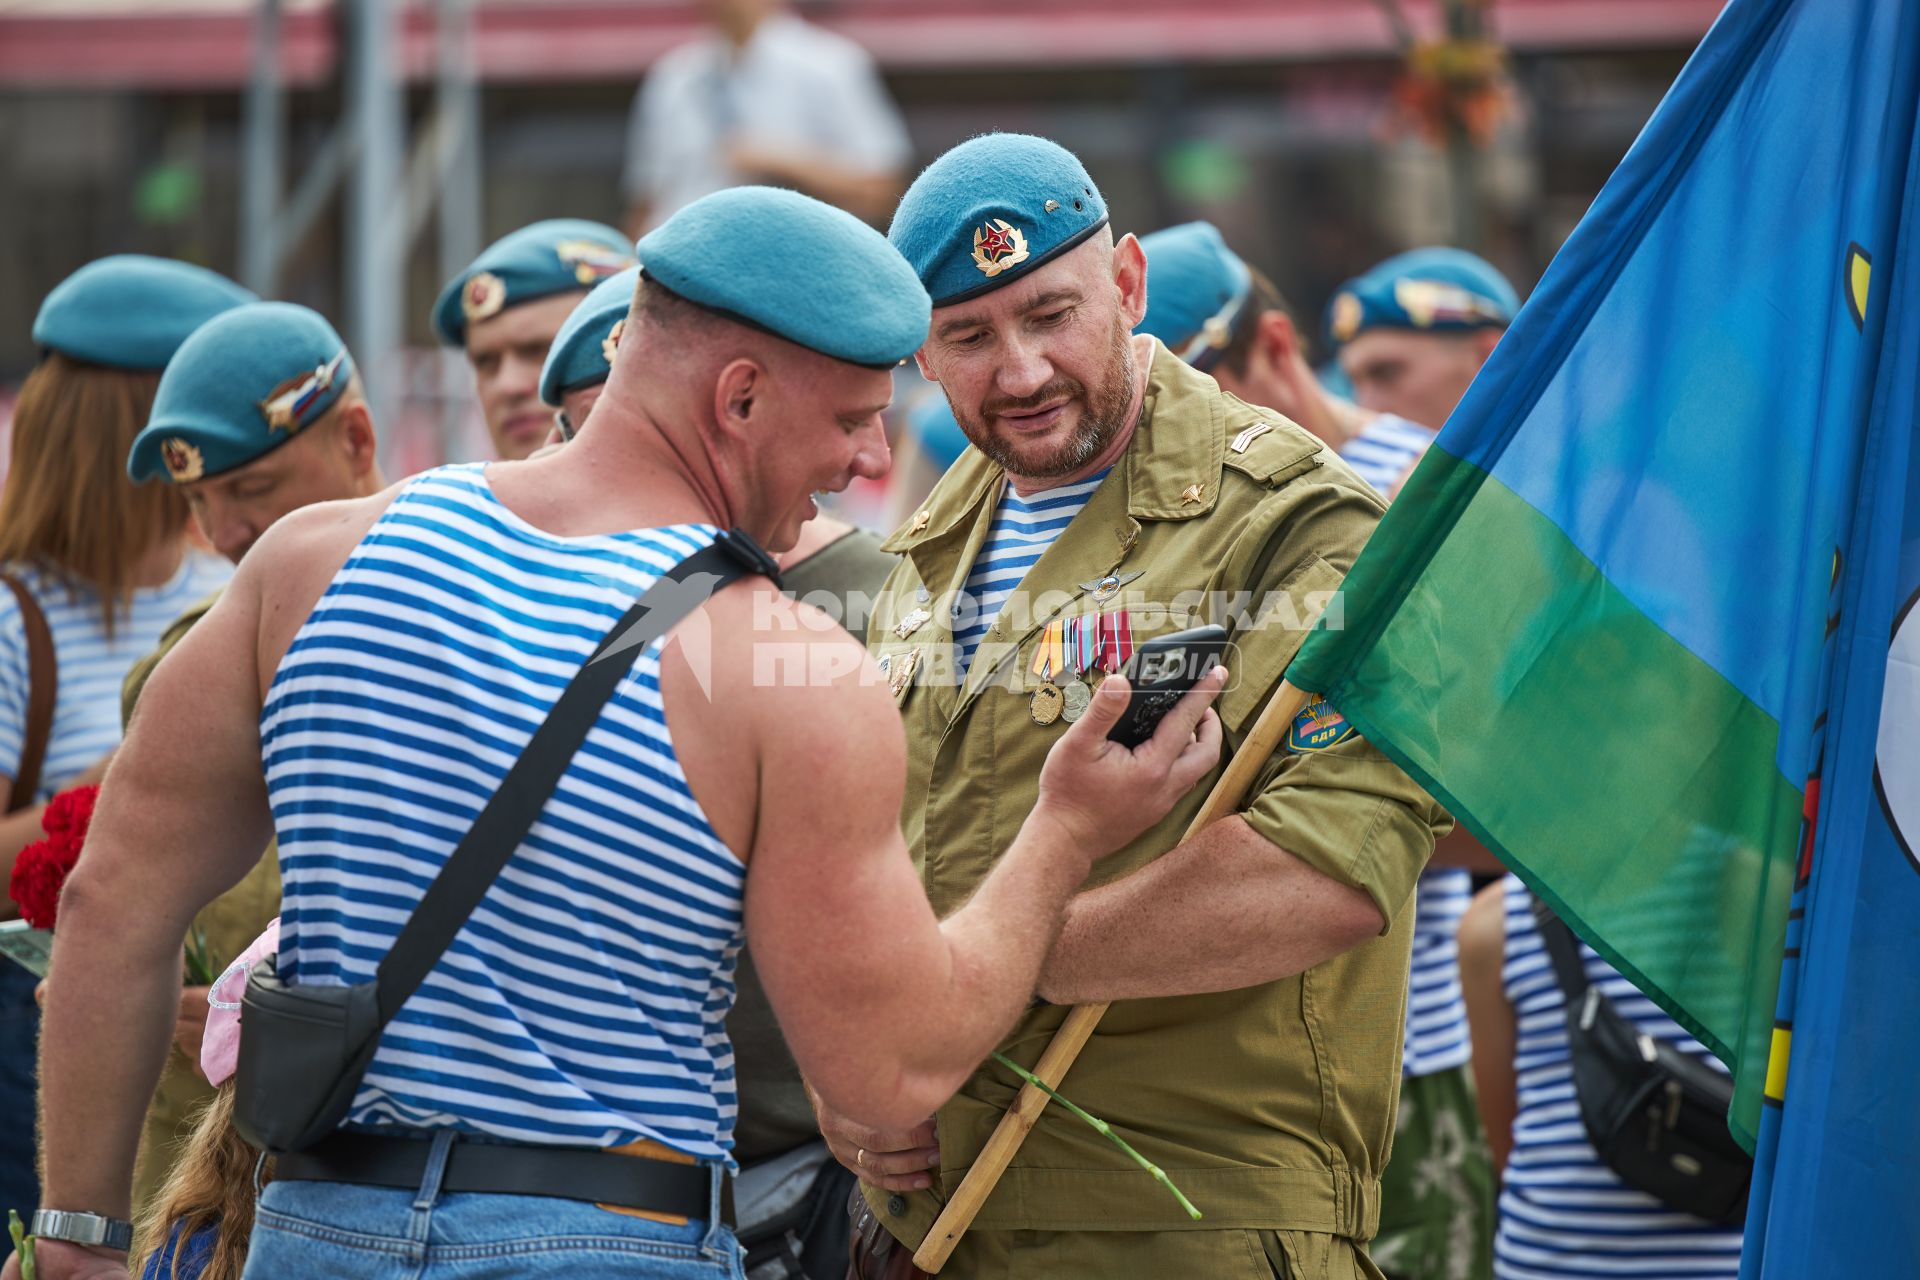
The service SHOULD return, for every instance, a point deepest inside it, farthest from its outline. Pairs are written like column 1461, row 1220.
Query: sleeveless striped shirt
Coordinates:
column 583, row 1002
column 1563, row 1214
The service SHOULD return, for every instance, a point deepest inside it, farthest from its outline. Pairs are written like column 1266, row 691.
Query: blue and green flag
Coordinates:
column 1597, row 623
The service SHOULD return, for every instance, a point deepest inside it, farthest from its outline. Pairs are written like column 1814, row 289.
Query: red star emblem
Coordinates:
column 994, row 242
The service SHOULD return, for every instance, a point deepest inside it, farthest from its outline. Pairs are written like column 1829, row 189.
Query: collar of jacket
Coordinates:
column 1180, row 442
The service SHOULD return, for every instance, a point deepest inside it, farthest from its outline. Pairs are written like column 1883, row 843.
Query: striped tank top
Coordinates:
column 1563, row 1214
column 583, row 1002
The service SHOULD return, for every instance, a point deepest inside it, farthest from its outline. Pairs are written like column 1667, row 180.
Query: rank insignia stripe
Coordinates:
column 1246, row 438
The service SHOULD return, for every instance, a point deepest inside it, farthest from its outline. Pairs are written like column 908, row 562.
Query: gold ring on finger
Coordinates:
column 860, row 1156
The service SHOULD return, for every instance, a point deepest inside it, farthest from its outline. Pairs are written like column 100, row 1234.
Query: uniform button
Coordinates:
column 897, row 1205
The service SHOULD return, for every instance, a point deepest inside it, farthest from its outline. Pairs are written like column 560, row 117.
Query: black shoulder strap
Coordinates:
column 1564, row 950
column 472, row 867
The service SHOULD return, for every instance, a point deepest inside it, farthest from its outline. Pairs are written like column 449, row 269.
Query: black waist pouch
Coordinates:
column 1656, row 1115
column 305, row 1049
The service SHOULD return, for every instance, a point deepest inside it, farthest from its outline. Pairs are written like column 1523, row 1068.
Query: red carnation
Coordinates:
column 41, row 870
column 68, row 814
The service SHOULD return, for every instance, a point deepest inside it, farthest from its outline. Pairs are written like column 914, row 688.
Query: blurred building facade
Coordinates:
column 124, row 127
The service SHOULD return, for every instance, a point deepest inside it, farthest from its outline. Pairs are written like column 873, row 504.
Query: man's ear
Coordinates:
column 735, row 394
column 357, row 439
column 1130, row 277
column 926, row 370
column 1277, row 339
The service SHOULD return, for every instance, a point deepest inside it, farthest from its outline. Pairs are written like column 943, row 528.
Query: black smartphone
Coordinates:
column 1161, row 671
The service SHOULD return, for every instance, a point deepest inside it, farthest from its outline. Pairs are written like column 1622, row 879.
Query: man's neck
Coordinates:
column 627, row 473
column 739, row 32
column 1027, row 486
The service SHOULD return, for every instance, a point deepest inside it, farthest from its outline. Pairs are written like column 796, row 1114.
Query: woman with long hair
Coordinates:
column 97, row 566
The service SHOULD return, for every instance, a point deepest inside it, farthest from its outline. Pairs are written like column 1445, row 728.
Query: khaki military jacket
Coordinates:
column 1272, row 1107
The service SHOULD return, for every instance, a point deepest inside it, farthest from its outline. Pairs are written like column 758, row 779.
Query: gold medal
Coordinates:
column 1047, row 704
column 1075, row 699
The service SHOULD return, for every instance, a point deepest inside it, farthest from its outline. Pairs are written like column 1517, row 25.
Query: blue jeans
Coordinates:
column 19, row 1083
column 329, row 1230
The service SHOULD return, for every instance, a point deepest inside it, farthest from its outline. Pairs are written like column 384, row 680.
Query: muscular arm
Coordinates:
column 181, row 817
column 1224, row 910
column 886, row 1008
column 1490, row 1018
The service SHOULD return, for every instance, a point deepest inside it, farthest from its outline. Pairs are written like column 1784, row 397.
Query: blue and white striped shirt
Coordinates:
column 1384, row 447
column 1023, row 529
column 91, row 667
column 1564, row 1215
column 583, row 1002
column 1436, row 1038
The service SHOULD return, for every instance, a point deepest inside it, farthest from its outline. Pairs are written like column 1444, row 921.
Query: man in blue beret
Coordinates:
column 1412, row 332
column 260, row 413
column 369, row 680
column 1437, row 1193
column 505, row 309
column 1113, row 495
column 791, row 1197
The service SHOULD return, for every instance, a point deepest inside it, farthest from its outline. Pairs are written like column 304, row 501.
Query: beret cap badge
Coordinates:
column 183, row 460
column 592, row 261
column 997, row 245
column 1347, row 314
column 287, row 403
column 483, row 296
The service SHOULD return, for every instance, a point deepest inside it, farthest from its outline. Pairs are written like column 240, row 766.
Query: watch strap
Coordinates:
column 83, row 1228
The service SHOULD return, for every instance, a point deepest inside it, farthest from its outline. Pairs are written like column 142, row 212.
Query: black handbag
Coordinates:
column 304, row 1049
column 1656, row 1115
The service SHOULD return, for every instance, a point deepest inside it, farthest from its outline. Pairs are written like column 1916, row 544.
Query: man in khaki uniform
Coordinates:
column 1260, row 969
column 214, row 434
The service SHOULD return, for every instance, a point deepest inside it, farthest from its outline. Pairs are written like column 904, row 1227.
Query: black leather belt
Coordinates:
column 570, row 1173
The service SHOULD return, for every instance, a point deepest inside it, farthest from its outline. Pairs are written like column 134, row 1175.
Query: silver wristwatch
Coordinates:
column 83, row 1228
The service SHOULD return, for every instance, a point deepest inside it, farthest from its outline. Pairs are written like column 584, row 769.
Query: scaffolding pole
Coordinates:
column 375, row 223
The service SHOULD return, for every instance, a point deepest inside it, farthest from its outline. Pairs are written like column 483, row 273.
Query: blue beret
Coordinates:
column 1197, row 291
column 938, row 431
column 534, row 262
column 244, row 384
column 991, row 210
column 797, row 268
column 582, row 352
column 131, row 311
column 1432, row 290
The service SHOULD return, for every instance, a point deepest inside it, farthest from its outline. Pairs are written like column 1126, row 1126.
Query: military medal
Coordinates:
column 912, row 623
column 900, row 673
column 1105, row 589
column 1074, row 700
column 1048, row 656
